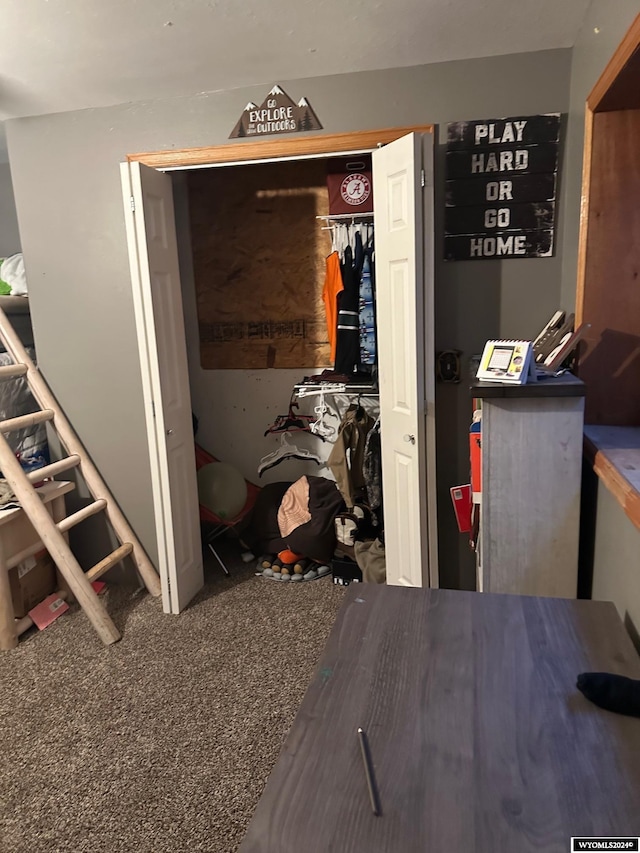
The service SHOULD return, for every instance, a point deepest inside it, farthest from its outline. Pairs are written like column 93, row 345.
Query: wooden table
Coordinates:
column 18, row 538
column 480, row 740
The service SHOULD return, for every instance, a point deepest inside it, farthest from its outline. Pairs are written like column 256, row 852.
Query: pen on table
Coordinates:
column 368, row 772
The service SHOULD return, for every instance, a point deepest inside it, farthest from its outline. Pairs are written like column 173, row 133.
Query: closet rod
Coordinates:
column 345, row 216
column 355, row 390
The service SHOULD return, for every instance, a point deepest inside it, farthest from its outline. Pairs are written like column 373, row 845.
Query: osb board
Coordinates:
column 259, row 263
column 609, row 361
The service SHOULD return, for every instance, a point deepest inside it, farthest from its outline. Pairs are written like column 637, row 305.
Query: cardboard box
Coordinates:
column 350, row 185
column 31, row 582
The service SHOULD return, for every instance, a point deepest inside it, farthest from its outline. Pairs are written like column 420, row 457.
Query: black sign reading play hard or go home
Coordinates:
column 501, row 187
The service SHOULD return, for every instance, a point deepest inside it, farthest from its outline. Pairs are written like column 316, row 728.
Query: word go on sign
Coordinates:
column 500, row 190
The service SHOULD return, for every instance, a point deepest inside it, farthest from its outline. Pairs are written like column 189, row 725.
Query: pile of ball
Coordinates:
column 288, row 566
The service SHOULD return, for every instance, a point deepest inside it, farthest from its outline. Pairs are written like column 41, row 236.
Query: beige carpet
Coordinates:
column 162, row 742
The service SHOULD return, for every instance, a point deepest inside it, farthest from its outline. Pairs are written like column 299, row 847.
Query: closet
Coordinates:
column 252, row 266
column 259, row 323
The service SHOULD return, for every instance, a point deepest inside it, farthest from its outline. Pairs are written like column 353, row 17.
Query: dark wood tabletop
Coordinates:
column 479, row 738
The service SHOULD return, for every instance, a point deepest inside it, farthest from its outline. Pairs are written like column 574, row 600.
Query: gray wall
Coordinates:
column 9, row 234
column 616, row 563
column 616, row 566
column 65, row 171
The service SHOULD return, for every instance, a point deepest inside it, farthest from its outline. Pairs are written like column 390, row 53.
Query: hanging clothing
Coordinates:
column 348, row 329
column 346, row 458
column 367, row 311
column 372, row 472
column 333, row 286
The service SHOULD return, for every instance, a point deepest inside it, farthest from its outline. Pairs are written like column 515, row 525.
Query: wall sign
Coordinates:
column 278, row 113
column 501, row 187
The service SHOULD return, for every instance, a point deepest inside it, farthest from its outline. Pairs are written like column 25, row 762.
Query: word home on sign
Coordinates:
column 500, row 246
column 490, row 247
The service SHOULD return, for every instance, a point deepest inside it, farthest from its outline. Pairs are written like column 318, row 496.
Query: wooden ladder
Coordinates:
column 50, row 532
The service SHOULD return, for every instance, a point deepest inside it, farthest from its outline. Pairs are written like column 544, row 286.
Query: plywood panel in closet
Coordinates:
column 259, row 261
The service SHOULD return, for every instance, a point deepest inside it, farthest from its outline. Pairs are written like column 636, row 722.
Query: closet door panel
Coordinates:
column 155, row 277
column 400, row 293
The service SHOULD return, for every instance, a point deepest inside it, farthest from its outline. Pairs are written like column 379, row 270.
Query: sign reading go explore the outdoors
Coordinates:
column 278, row 113
column 501, row 187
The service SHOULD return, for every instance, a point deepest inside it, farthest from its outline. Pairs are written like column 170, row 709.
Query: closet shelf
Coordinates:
column 354, row 389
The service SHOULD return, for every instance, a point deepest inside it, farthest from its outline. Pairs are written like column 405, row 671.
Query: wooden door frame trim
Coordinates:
column 623, row 54
column 585, row 197
column 267, row 149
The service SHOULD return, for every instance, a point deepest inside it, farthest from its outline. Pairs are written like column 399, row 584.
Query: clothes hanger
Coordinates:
column 320, row 427
column 334, row 227
column 291, row 422
column 286, row 451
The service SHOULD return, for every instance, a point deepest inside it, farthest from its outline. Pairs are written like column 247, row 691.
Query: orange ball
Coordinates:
column 288, row 557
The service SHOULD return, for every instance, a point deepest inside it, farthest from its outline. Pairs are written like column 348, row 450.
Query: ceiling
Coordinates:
column 60, row 55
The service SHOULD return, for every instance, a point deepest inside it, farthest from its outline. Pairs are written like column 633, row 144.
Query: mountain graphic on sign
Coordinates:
column 278, row 113
column 242, row 124
column 277, row 98
column 308, row 118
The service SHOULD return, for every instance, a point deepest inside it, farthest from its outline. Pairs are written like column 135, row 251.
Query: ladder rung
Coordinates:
column 26, row 622
column 55, row 468
column 26, row 420
column 104, row 565
column 10, row 371
column 16, row 559
column 86, row 512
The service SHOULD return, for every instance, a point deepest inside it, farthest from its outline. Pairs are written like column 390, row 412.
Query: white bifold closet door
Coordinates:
column 403, row 192
column 403, row 198
column 153, row 258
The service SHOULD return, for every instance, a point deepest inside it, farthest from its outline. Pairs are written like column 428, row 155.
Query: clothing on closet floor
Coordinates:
column 294, row 507
column 371, row 560
column 346, row 458
column 260, row 530
column 315, row 538
column 333, row 286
